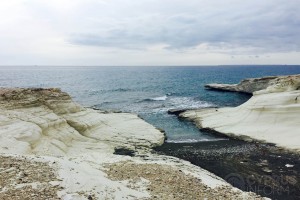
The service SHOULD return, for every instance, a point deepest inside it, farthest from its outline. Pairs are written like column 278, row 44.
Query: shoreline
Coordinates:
column 268, row 159
column 222, row 135
column 271, row 115
column 249, row 166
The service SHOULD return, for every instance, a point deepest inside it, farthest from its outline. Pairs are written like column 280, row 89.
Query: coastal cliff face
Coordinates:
column 48, row 122
column 271, row 115
column 53, row 148
column 249, row 85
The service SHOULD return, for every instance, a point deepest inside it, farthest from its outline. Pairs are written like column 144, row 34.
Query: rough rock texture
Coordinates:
column 271, row 115
column 44, row 133
column 249, row 85
column 176, row 184
column 26, row 179
column 36, row 119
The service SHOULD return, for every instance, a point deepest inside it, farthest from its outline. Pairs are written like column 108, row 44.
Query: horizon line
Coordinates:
column 252, row 65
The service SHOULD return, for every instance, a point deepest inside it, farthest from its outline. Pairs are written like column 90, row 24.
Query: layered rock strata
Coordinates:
column 272, row 115
column 249, row 85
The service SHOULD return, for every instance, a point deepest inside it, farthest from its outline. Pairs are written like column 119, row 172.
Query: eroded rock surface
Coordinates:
column 250, row 85
column 271, row 115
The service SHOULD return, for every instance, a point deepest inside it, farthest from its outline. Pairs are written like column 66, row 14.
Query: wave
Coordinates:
column 97, row 92
column 189, row 102
column 193, row 140
column 121, row 90
column 162, row 98
column 159, row 104
column 183, row 103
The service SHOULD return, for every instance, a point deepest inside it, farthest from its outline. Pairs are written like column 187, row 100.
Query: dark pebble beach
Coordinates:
column 261, row 168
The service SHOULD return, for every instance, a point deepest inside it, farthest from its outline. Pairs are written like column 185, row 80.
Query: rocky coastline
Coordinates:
column 271, row 115
column 249, row 85
column 53, row 148
column 248, row 157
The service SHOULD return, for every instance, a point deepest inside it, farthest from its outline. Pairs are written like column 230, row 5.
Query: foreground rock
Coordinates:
column 22, row 178
column 53, row 148
column 271, row 115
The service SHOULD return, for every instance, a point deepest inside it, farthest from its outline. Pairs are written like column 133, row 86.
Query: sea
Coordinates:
column 147, row 91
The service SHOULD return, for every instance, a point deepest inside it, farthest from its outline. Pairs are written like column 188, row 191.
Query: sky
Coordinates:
column 149, row 32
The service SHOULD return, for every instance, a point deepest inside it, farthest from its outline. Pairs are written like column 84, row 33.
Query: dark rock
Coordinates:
column 124, row 151
column 176, row 111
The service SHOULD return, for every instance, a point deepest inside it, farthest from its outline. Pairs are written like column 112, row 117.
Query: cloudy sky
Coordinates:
column 149, row 32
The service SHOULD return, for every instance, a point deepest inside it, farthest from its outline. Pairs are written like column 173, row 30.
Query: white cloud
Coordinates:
column 149, row 32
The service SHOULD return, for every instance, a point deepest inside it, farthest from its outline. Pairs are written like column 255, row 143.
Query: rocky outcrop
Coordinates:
column 271, row 115
column 248, row 85
column 48, row 122
column 80, row 148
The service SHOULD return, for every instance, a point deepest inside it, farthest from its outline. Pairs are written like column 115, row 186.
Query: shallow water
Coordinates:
column 148, row 91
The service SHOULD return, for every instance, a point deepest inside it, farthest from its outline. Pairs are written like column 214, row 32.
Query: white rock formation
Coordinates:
column 46, row 125
column 272, row 115
column 249, row 85
column 47, row 122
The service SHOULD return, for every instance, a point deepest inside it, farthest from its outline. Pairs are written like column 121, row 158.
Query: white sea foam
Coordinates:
column 183, row 103
column 162, row 98
column 289, row 165
column 189, row 102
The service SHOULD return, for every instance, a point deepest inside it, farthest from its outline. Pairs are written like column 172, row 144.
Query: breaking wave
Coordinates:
column 183, row 103
column 162, row 98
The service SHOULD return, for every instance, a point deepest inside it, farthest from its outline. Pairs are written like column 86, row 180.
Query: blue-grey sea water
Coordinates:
column 148, row 91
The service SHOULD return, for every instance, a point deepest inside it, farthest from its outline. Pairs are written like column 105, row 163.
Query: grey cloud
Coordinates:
column 273, row 26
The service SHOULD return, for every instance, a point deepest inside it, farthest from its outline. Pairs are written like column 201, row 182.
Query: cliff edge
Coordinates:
column 249, row 85
column 271, row 115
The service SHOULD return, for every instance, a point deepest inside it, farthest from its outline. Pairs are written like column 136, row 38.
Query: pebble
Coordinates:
column 167, row 183
column 20, row 172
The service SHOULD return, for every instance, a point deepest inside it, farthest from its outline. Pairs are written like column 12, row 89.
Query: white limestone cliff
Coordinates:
column 249, row 85
column 272, row 115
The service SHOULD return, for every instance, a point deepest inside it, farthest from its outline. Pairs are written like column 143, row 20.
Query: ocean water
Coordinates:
column 147, row 91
